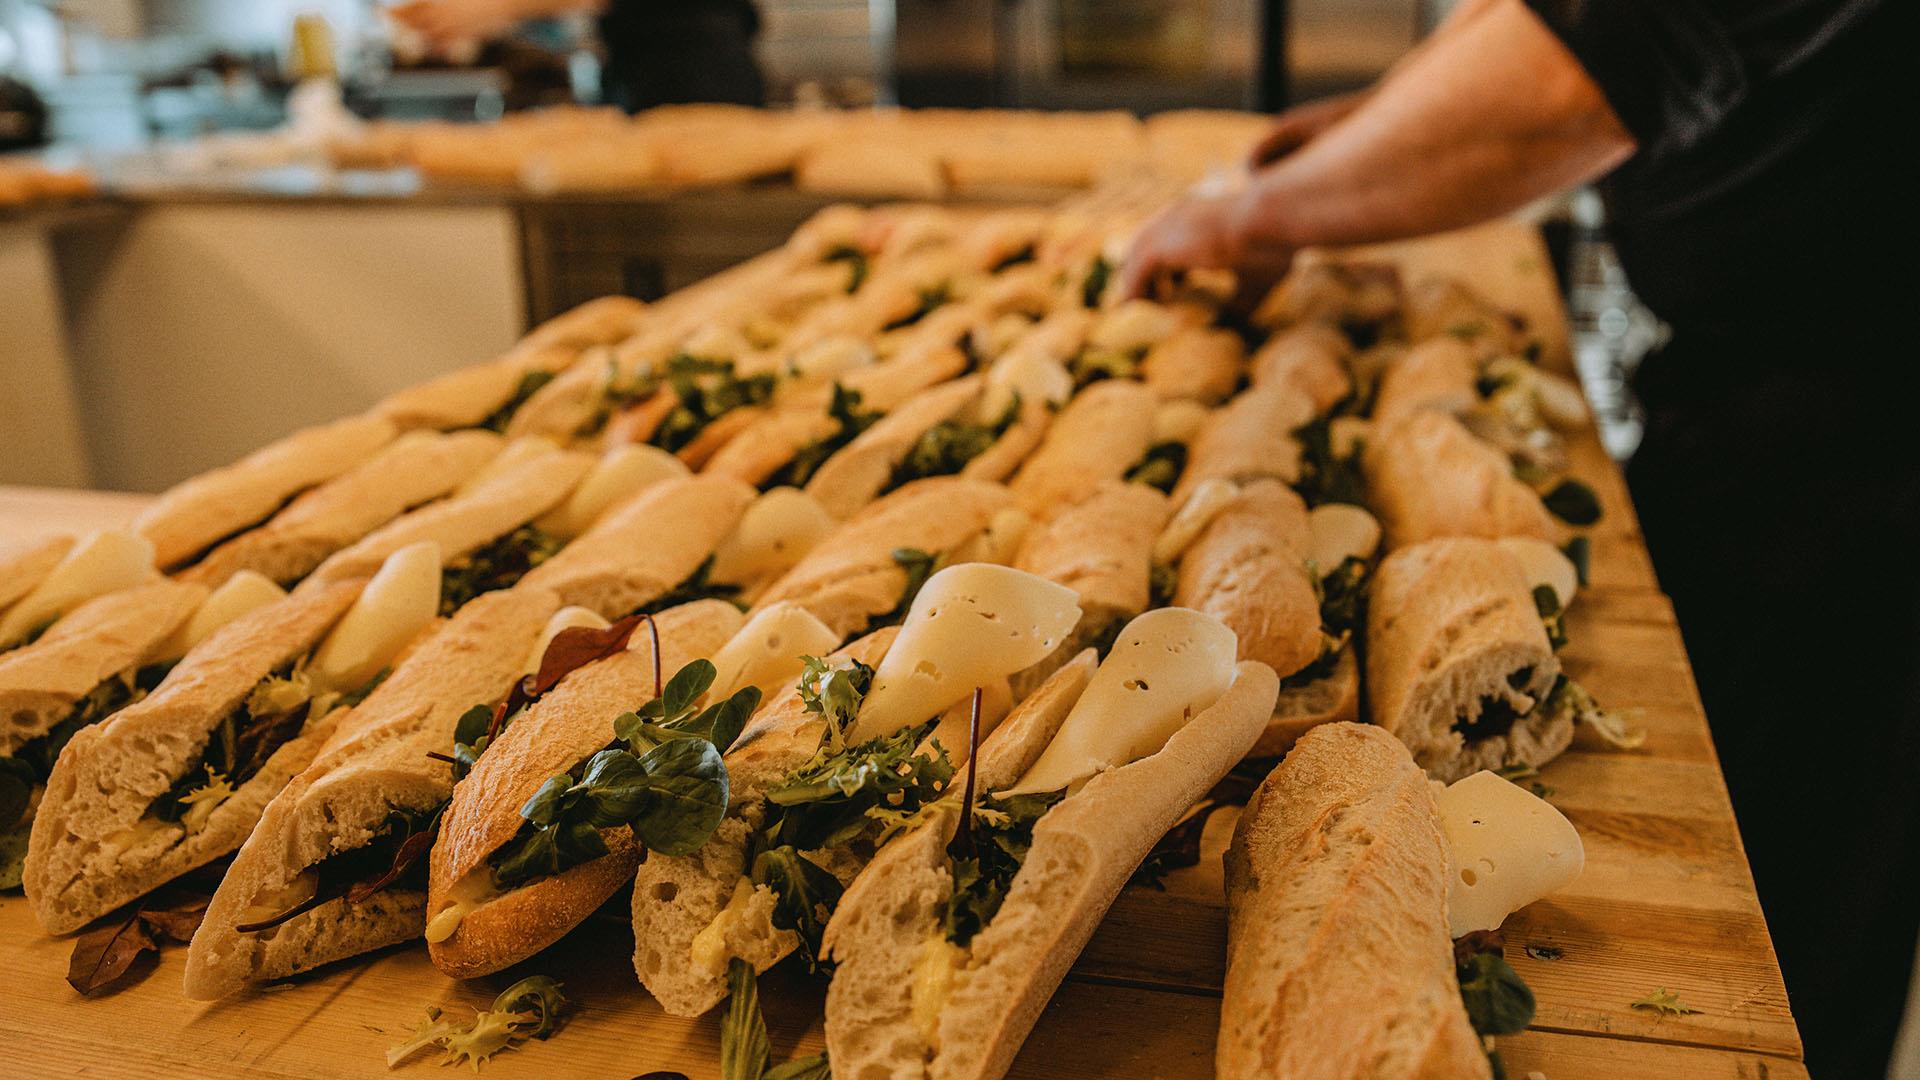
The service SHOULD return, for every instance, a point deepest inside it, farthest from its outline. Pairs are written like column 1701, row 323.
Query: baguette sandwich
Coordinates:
column 1101, row 435
column 179, row 778
column 1250, row 437
column 1339, row 961
column 1312, row 358
column 336, row 865
column 846, row 754
column 947, row 947
column 1428, row 477
column 97, row 565
column 504, row 883
column 22, row 567
column 198, row 513
column 1362, row 299
column 414, row 469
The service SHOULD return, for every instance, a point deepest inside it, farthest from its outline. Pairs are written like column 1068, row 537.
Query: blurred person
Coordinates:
column 1760, row 202
column 657, row 53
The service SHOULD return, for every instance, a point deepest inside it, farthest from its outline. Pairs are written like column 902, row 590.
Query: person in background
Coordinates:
column 657, row 53
column 1762, row 204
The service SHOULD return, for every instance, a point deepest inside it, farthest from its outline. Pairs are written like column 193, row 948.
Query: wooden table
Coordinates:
column 1666, row 901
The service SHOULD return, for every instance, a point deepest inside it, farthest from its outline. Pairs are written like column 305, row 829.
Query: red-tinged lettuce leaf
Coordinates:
column 578, row 646
column 103, row 956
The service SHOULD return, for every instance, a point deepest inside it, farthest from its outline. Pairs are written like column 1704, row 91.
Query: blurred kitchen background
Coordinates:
column 222, row 266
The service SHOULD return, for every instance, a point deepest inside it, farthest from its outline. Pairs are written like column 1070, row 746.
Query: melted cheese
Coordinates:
column 1033, row 376
column 245, row 591
column 1341, row 532
column 777, row 529
column 970, row 625
column 101, row 563
column 567, row 618
column 618, row 476
column 399, row 602
column 1544, row 564
column 1510, row 848
column 463, row 898
column 1167, row 666
column 933, row 985
column 1209, row 498
column 767, row 650
column 710, row 953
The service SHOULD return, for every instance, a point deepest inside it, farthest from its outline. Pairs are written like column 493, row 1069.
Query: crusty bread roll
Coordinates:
column 871, row 168
column 1337, row 293
column 852, row 576
column 1247, row 568
column 1338, row 960
column 1104, row 431
column 1102, row 549
column 602, row 321
column 642, row 548
column 1248, row 438
column 1084, row 851
column 1437, row 374
column 770, row 442
column 416, row 468
column 857, row 474
column 677, row 897
column 1457, row 659
column 491, row 508
column 1429, row 477
column 555, row 735
column 196, row 513
column 376, row 764
column 93, row 847
column 1198, row 363
column 1312, row 358
column 105, row 637
column 23, row 567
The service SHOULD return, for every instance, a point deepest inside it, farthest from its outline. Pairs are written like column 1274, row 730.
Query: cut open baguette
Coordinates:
column 1247, row 568
column 1248, row 438
column 1338, row 959
column 376, row 765
column 1428, row 477
column 23, row 567
column 1104, row 431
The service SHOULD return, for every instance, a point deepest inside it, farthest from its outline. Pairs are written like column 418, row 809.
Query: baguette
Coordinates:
column 1438, row 373
column 1437, row 307
column 476, row 395
column 1248, row 438
column 94, row 845
column 1330, row 700
column 1342, row 294
column 641, row 549
column 470, row 519
column 415, row 468
column 602, row 321
column 1339, row 963
column 377, row 764
column 1458, row 663
column 107, row 637
column 197, row 513
column 1427, row 477
column 1195, row 363
column 860, row 471
column 1101, row 433
column 552, row 737
column 1312, row 358
column 888, row 930
column 1102, row 549
column 1247, row 568
column 21, row 568
column 852, row 576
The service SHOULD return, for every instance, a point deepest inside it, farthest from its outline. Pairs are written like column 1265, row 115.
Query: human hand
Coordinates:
column 1299, row 126
column 1203, row 231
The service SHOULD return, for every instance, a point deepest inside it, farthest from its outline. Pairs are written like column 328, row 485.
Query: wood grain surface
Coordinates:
column 1666, row 902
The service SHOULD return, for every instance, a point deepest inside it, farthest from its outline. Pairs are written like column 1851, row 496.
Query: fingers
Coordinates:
column 1286, row 136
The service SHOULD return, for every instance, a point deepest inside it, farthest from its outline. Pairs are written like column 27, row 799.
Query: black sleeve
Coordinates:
column 1674, row 69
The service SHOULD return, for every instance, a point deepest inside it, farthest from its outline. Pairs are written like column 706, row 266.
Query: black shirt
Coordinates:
column 674, row 53
column 1774, row 183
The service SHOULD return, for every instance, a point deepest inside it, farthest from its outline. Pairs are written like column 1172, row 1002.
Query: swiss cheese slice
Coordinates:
column 1167, row 666
column 766, row 652
column 1031, row 376
column 1510, row 848
column 777, row 529
column 101, row 563
column 970, row 625
column 243, row 592
column 398, row 602
column 567, row 618
column 618, row 475
column 1544, row 564
column 1341, row 532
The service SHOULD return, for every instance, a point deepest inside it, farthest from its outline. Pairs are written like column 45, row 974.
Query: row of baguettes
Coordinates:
column 900, row 414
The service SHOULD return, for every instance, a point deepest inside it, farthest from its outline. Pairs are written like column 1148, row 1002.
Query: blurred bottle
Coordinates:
column 312, row 54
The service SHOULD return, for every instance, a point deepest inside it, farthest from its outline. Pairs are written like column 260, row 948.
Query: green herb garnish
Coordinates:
column 947, row 447
column 707, row 390
column 1161, row 466
column 529, row 385
column 850, row 419
column 1573, row 502
column 1003, row 834
column 744, row 1048
column 495, row 565
column 1547, row 603
column 529, row 1009
column 1326, row 476
column 1098, row 275
column 856, row 261
column 932, row 297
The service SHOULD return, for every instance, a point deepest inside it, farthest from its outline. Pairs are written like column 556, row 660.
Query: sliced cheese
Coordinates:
column 1178, row 420
column 766, row 651
column 1544, row 564
column 1561, row 402
column 970, row 625
column 567, row 618
column 998, row 542
column 243, row 592
column 1167, row 666
column 1341, row 532
column 777, row 529
column 1033, row 376
column 399, row 602
column 101, row 563
column 1510, row 848
column 512, row 456
column 1209, row 498
column 618, row 475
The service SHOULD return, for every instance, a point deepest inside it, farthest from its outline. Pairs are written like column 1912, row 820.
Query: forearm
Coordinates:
column 1493, row 114
column 544, row 9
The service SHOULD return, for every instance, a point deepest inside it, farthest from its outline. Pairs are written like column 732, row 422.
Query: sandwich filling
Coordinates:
column 945, row 448
column 497, row 564
column 849, row 421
